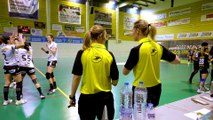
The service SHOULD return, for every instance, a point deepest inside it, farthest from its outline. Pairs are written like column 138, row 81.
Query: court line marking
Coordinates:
column 62, row 92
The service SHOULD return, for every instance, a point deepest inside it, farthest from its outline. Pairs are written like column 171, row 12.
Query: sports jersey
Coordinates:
column 25, row 57
column 52, row 56
column 203, row 61
column 191, row 52
column 98, row 67
column 196, row 55
column 144, row 59
column 8, row 52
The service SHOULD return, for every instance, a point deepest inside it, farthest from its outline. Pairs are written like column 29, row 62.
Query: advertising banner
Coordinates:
column 69, row 14
column 23, row 9
column 129, row 22
column 104, row 19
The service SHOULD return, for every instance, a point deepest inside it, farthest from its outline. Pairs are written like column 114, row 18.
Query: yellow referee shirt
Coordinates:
column 144, row 59
column 97, row 67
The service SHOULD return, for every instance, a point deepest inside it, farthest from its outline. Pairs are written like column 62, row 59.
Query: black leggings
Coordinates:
column 91, row 106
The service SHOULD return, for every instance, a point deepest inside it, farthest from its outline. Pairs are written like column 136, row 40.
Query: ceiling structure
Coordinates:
column 155, row 5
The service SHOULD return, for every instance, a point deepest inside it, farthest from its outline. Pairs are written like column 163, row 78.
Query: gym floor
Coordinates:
column 174, row 84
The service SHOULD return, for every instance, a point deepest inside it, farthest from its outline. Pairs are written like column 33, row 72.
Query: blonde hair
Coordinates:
column 145, row 28
column 96, row 33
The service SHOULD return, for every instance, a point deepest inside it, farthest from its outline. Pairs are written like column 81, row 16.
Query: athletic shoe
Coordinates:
column 206, row 88
column 200, row 90
column 6, row 102
column 21, row 101
column 50, row 92
column 54, row 90
column 42, row 96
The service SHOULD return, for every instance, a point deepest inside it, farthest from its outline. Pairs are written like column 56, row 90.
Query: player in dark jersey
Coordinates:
column 190, row 55
column 196, row 65
column 204, row 66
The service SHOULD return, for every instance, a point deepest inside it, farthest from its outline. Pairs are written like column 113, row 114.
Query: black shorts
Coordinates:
column 92, row 105
column 153, row 95
column 196, row 65
column 204, row 71
column 29, row 71
column 13, row 70
column 52, row 63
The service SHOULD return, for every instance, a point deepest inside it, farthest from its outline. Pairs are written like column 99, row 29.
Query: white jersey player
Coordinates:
column 52, row 51
column 25, row 58
column 11, row 68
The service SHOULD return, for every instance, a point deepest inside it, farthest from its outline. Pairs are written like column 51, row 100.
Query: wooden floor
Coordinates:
column 174, row 83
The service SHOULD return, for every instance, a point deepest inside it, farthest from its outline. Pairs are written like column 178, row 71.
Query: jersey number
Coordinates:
column 25, row 58
column 201, row 61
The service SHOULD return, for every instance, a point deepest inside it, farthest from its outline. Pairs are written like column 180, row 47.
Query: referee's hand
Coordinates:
column 72, row 103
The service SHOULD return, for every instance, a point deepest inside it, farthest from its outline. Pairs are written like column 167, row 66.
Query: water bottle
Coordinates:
column 150, row 112
column 211, row 89
column 126, row 102
column 140, row 98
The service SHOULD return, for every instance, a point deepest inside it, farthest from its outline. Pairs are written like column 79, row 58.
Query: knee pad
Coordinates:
column 52, row 75
column 48, row 76
column 35, row 81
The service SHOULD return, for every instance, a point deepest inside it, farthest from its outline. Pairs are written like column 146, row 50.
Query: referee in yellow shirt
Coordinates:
column 99, row 72
column 145, row 58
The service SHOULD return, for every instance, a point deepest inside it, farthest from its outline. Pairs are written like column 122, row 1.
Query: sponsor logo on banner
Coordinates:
column 69, row 27
column 36, row 32
column 38, row 39
column 23, row 8
column 195, row 34
column 183, row 35
column 79, row 29
column 165, row 37
column 207, row 34
column 69, row 40
column 207, row 6
column 57, row 27
column 207, row 17
column 160, row 24
column 10, row 30
column 179, row 22
column 180, row 12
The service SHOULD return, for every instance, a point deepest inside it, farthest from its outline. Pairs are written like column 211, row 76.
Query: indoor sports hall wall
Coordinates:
column 70, row 50
column 187, row 22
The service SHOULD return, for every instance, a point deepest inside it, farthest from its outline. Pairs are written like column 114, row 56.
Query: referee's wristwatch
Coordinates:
column 72, row 98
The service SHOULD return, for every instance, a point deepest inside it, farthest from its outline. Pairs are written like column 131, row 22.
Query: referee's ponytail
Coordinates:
column 96, row 33
column 86, row 43
column 145, row 28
